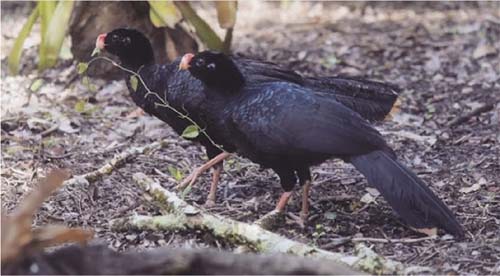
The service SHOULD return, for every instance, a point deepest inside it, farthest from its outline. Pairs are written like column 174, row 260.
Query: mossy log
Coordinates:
column 179, row 215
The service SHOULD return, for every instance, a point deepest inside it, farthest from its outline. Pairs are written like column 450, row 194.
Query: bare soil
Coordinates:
column 443, row 56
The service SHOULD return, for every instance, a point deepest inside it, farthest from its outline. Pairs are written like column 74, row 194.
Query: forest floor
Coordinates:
column 445, row 57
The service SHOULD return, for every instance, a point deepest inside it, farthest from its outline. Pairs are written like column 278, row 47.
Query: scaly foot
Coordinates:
column 271, row 220
column 189, row 180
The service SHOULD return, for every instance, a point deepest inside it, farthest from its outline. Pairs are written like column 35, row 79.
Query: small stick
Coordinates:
column 115, row 162
column 462, row 119
column 408, row 240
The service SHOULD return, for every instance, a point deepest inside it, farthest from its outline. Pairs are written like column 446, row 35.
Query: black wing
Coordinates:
column 263, row 71
column 283, row 118
column 372, row 100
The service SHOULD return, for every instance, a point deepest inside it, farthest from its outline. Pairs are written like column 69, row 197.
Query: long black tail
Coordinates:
column 406, row 193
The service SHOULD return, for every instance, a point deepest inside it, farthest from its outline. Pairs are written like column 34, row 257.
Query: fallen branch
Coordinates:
column 23, row 250
column 393, row 240
column 343, row 240
column 462, row 119
column 48, row 131
column 117, row 161
column 180, row 215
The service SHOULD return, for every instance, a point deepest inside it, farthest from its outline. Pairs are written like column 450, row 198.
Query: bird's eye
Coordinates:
column 114, row 37
column 200, row 63
column 126, row 40
column 211, row 66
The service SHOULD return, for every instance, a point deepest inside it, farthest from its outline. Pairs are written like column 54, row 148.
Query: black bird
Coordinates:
column 288, row 128
column 373, row 100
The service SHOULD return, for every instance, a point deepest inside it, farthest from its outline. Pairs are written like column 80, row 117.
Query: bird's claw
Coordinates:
column 138, row 112
column 301, row 220
column 304, row 216
column 209, row 203
column 271, row 220
column 189, row 180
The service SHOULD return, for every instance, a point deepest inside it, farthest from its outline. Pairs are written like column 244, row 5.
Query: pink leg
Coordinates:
column 213, row 187
column 190, row 180
column 283, row 201
column 276, row 217
column 305, row 200
column 138, row 112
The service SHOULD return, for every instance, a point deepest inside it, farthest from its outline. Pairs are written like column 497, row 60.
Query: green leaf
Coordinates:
column 164, row 13
column 96, row 51
column 54, row 34
column 65, row 52
column 134, row 82
column 92, row 88
column 80, row 106
column 226, row 13
column 17, row 49
column 226, row 45
column 46, row 9
column 203, row 30
column 82, row 67
column 86, row 81
column 190, row 132
column 175, row 173
column 35, row 86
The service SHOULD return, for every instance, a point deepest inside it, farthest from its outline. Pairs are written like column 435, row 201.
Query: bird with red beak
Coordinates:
column 131, row 46
column 186, row 61
column 99, row 43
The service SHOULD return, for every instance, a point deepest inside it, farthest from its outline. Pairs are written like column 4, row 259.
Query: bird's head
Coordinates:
column 130, row 45
column 214, row 69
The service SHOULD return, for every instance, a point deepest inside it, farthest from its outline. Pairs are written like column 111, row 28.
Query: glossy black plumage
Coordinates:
column 373, row 100
column 287, row 127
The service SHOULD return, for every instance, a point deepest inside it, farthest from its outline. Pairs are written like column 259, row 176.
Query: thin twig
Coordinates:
column 50, row 130
column 115, row 162
column 473, row 113
column 408, row 240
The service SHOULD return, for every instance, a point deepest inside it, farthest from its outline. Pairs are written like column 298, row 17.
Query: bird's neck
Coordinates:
column 135, row 62
column 228, row 84
column 135, row 65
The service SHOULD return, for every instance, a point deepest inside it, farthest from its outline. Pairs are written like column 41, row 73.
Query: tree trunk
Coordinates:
column 93, row 18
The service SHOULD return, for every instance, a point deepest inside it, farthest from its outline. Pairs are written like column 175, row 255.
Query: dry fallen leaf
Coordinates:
column 374, row 192
column 470, row 189
column 483, row 50
column 367, row 198
column 16, row 228
column 474, row 187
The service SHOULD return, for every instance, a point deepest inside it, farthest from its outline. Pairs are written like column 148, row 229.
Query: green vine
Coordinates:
column 82, row 68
